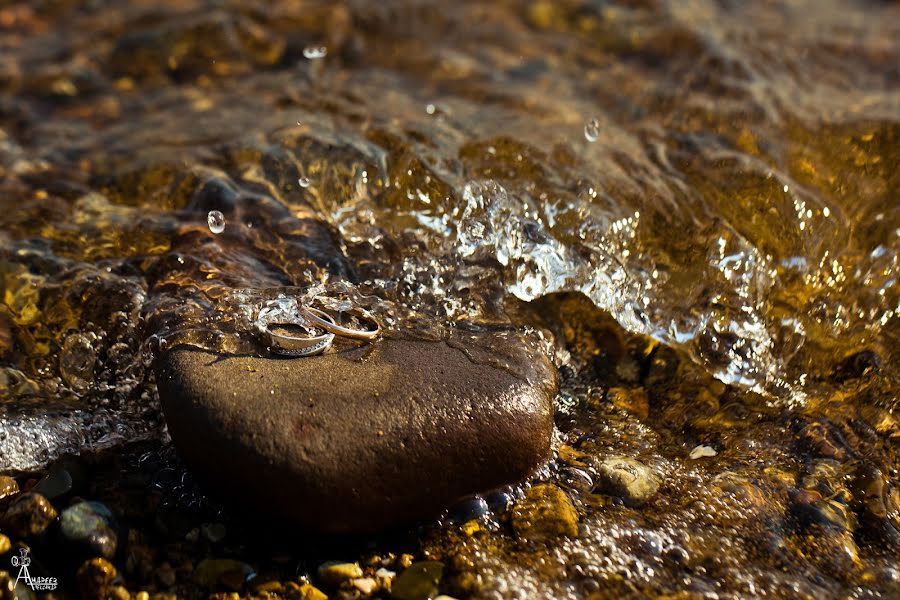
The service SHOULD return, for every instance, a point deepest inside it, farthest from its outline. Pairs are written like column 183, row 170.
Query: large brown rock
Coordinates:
column 361, row 440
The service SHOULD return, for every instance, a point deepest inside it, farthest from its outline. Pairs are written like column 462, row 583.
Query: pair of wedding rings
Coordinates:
column 317, row 330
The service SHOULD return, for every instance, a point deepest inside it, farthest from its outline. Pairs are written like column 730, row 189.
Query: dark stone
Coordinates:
column 360, row 440
column 467, row 509
column 57, row 482
column 88, row 528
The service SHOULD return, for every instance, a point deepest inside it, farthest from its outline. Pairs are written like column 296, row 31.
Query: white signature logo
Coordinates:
column 35, row 583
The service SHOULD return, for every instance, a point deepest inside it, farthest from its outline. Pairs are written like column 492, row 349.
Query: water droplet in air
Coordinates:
column 216, row 221
column 313, row 52
column 592, row 130
column 303, row 182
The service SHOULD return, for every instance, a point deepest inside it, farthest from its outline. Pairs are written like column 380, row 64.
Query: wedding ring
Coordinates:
column 324, row 321
column 307, row 345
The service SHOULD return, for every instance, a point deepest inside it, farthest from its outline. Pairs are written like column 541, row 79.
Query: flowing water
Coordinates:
column 695, row 207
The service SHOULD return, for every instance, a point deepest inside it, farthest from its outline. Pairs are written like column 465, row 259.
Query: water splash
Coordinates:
column 315, row 52
column 592, row 130
column 216, row 221
column 607, row 265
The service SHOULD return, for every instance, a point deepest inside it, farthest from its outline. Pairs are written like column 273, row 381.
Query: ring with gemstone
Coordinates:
column 324, row 321
column 298, row 345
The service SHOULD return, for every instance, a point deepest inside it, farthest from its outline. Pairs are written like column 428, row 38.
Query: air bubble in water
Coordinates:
column 314, row 52
column 76, row 362
column 592, row 130
column 216, row 221
column 303, row 182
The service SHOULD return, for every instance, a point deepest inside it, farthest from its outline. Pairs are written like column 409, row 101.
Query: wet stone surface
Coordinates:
column 362, row 440
column 544, row 513
column 89, row 529
column 28, row 515
column 418, row 582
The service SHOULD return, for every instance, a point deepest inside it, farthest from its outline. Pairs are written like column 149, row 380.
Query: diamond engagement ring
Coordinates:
column 282, row 337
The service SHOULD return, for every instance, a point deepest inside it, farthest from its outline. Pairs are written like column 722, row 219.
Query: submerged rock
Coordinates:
column 90, row 528
column 222, row 572
column 29, row 515
column 418, row 582
column 356, row 441
column 66, row 476
column 629, row 479
column 545, row 513
column 336, row 573
column 94, row 577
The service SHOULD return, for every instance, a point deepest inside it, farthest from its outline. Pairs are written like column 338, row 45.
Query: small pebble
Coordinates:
column 627, row 478
column 418, row 582
column 7, row 586
column 222, row 571
column 8, row 487
column 335, row 573
column 546, row 512
column 165, row 575
column 702, row 451
column 89, row 527
column 366, row 585
column 193, row 536
column 311, row 592
column 470, row 508
column 214, row 532
column 117, row 592
column 94, row 577
column 269, row 586
column 28, row 515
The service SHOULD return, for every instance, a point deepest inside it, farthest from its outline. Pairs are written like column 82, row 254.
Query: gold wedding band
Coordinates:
column 324, row 321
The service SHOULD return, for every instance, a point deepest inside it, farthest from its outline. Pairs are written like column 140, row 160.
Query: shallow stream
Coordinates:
column 693, row 206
